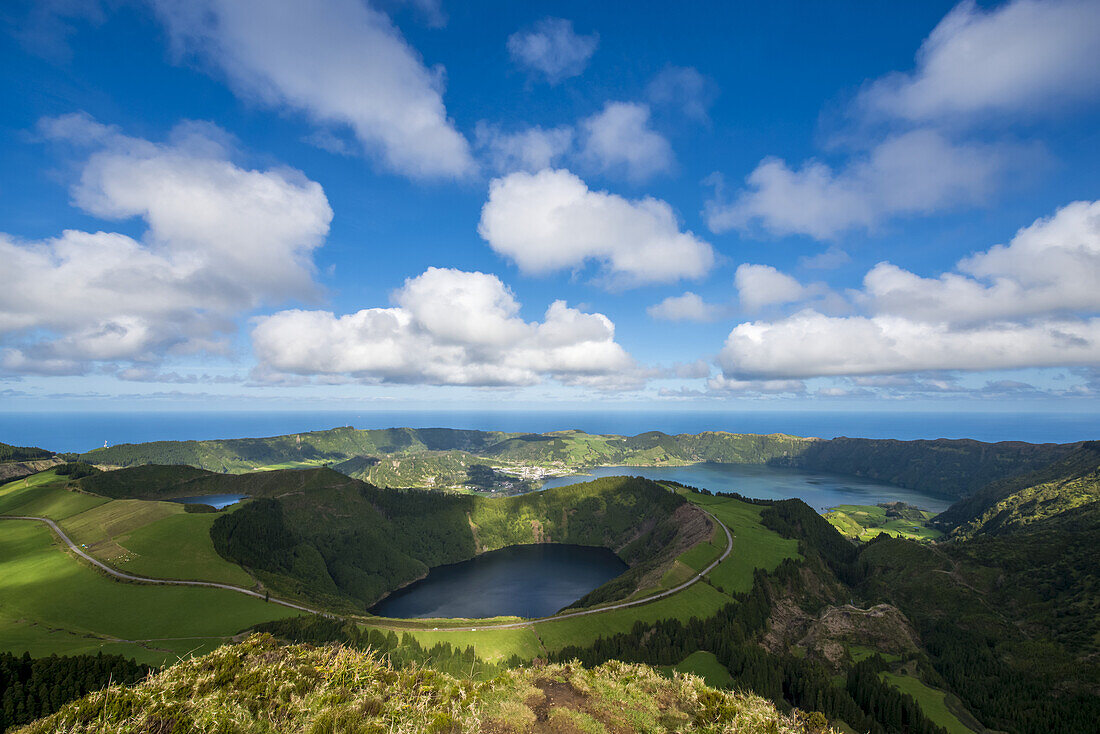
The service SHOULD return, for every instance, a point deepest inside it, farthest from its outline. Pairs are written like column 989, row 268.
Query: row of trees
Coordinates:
column 401, row 651
column 31, row 688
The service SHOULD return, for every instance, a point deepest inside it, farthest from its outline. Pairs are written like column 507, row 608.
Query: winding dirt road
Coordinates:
column 506, row 625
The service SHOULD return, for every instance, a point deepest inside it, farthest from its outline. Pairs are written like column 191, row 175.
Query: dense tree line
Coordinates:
column 75, row 470
column 22, row 453
column 895, row 710
column 31, row 688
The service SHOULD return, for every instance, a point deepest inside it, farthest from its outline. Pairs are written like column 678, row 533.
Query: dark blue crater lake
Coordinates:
column 217, row 501
column 819, row 491
column 521, row 581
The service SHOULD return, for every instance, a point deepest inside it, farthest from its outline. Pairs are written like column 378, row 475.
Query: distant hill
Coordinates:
column 17, row 462
column 1070, row 482
column 439, row 457
column 945, row 467
column 22, row 453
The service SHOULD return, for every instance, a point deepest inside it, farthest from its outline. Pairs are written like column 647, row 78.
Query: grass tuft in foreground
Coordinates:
column 260, row 686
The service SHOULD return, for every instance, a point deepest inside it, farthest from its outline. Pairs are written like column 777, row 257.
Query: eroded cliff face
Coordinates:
column 18, row 469
column 828, row 636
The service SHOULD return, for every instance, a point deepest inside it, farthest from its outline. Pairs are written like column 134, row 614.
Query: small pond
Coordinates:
column 217, row 501
column 521, row 581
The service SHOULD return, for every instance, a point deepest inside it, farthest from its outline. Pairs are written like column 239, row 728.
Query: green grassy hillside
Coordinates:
column 258, row 686
column 315, row 447
column 945, row 467
column 150, row 538
column 52, row 603
column 1072, row 481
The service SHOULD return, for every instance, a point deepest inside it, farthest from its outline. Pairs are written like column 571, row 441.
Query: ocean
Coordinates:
column 82, row 431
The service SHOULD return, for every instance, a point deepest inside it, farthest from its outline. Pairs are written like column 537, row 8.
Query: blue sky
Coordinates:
column 331, row 204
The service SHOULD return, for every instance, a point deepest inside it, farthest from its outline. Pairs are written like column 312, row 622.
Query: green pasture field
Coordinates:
column 150, row 538
column 698, row 600
column 754, row 546
column 100, row 528
column 706, row 666
column 865, row 522
column 859, row 653
column 44, row 588
column 932, row 702
column 44, row 495
column 179, row 547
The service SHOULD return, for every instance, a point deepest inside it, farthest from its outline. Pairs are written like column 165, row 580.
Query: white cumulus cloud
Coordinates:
column 810, row 344
column 763, row 285
column 619, row 140
column 221, row 240
column 687, row 307
column 917, row 143
column 447, row 327
column 553, row 49
column 1030, row 303
column 551, row 221
column 340, row 62
column 914, row 172
column 1024, row 56
column 1049, row 267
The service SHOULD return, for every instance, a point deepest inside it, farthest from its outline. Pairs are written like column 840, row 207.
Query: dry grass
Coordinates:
column 261, row 686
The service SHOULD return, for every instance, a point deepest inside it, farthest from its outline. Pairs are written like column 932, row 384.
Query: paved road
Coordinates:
column 507, row 625
column 147, row 580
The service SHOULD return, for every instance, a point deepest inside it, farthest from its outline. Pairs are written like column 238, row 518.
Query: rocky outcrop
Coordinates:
column 882, row 628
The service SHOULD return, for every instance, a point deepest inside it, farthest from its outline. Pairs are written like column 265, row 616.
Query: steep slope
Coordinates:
column 1070, row 482
column 259, row 686
column 946, row 467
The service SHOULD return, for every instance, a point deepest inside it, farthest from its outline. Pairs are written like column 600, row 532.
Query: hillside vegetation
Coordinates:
column 259, row 686
column 320, row 535
column 340, row 541
column 946, row 467
column 1072, row 481
column 22, row 453
column 17, row 462
column 31, row 688
column 439, row 457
